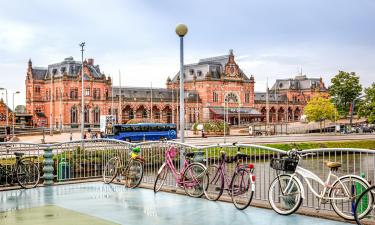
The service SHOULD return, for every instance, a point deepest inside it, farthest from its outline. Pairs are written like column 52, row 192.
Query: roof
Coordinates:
column 39, row 73
column 213, row 66
column 300, row 82
column 68, row 67
column 272, row 97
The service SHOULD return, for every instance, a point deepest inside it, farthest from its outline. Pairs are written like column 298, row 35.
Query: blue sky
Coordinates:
column 270, row 38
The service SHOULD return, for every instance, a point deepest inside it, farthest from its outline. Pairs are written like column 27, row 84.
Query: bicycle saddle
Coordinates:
column 190, row 154
column 333, row 165
column 19, row 154
column 241, row 155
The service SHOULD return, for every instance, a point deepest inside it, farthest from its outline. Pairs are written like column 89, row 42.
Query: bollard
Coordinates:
column 48, row 167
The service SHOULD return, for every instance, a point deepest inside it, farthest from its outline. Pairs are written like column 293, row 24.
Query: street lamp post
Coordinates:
column 181, row 31
column 224, row 117
column 83, row 94
column 13, row 118
column 61, row 95
column 6, row 99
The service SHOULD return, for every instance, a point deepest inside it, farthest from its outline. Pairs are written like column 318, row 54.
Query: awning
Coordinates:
column 235, row 111
column 40, row 114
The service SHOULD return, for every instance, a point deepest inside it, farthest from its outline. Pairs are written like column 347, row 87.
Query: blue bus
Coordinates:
column 144, row 132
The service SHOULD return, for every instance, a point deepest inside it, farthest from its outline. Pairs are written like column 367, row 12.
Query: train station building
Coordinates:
column 214, row 87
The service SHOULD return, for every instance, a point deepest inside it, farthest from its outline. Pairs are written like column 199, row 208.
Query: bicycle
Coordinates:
column 286, row 192
column 190, row 177
column 361, row 205
column 132, row 170
column 240, row 187
column 24, row 172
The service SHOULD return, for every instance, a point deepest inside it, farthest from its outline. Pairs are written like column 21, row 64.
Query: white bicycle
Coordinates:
column 286, row 191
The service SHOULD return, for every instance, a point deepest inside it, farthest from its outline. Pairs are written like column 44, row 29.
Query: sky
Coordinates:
column 273, row 39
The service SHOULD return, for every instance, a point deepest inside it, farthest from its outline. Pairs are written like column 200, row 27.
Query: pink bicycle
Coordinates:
column 190, row 177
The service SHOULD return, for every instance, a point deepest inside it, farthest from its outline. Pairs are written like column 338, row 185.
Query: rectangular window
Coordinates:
column 74, row 93
column 247, row 97
column 87, row 92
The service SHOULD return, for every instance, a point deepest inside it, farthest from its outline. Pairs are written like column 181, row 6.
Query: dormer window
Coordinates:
column 199, row 73
column 191, row 71
column 62, row 70
column 54, row 71
column 280, row 85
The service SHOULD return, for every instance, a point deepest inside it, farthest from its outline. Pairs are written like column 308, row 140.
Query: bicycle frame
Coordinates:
column 177, row 174
column 306, row 174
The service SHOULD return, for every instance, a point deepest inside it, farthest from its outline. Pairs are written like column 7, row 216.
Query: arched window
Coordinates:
column 87, row 114
column 131, row 114
column 231, row 97
column 215, row 97
column 73, row 115
column 96, row 115
column 144, row 113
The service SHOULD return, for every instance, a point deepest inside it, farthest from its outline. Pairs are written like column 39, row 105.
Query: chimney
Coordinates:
column 90, row 62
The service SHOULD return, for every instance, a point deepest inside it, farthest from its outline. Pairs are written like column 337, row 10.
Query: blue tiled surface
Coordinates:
column 141, row 206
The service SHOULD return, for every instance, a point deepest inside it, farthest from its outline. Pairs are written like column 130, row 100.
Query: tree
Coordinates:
column 319, row 109
column 344, row 89
column 367, row 107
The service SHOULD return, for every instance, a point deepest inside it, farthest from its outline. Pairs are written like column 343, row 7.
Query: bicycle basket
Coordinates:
column 284, row 164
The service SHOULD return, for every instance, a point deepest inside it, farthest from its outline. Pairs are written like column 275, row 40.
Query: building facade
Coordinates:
column 4, row 109
column 215, row 88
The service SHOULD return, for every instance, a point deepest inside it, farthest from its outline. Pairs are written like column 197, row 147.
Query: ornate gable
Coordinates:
column 231, row 68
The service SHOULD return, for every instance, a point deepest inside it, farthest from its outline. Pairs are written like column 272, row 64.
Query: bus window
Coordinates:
column 116, row 130
column 127, row 129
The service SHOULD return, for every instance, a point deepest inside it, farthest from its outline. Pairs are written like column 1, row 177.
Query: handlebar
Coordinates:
column 295, row 153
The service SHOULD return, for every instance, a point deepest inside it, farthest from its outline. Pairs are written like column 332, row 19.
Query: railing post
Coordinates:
column 48, row 167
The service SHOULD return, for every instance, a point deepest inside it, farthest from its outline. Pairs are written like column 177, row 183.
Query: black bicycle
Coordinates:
column 365, row 200
column 24, row 172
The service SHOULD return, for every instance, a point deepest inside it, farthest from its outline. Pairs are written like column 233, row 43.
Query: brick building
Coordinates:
column 211, row 85
column 3, row 114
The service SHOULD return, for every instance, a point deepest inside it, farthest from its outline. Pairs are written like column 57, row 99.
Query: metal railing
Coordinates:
column 79, row 160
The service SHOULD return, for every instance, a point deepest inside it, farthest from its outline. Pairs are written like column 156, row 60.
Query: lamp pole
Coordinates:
column 82, row 45
column 13, row 118
column 181, row 31
column 50, row 107
column 6, row 99
column 224, row 117
column 61, row 95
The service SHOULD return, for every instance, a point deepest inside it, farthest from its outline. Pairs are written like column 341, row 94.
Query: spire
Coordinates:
column 30, row 63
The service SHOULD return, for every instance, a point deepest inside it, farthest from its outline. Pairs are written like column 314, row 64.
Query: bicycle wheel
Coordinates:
column 343, row 196
column 241, row 191
column 285, row 195
column 27, row 174
column 160, row 178
column 362, row 203
column 213, row 183
column 134, row 174
column 193, row 180
column 110, row 170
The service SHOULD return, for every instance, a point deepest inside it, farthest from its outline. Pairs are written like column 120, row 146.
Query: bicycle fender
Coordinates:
column 161, row 168
column 299, row 183
column 356, row 176
column 204, row 166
